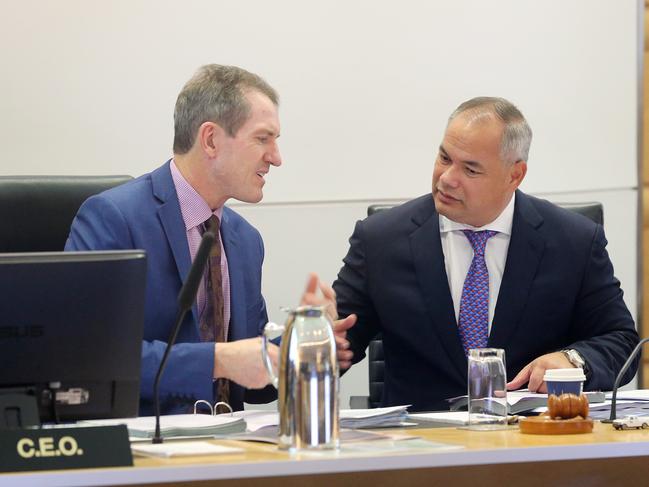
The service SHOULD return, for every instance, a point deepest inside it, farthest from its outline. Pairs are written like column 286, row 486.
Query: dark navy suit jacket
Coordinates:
column 558, row 291
column 145, row 214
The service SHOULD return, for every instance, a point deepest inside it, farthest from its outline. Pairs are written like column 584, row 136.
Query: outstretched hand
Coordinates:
column 326, row 298
column 533, row 373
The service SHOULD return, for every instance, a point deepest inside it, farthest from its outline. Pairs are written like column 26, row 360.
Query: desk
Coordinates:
column 500, row 458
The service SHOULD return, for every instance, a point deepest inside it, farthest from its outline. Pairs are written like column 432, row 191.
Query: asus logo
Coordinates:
column 21, row 331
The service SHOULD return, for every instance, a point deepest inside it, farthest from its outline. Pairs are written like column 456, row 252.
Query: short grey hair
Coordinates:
column 216, row 94
column 517, row 134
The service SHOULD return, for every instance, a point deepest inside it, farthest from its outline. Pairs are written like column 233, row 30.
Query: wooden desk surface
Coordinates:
column 605, row 457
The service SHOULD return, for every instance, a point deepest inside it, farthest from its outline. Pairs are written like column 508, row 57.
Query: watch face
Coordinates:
column 572, row 357
column 575, row 358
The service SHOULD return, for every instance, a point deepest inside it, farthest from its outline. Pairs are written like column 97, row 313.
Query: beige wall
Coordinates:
column 645, row 199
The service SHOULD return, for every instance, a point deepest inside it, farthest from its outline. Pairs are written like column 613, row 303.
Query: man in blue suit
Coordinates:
column 226, row 129
column 479, row 263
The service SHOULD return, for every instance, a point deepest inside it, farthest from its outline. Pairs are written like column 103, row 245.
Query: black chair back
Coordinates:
column 593, row 210
column 36, row 211
column 376, row 361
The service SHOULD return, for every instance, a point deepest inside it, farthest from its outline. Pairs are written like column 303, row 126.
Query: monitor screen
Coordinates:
column 71, row 326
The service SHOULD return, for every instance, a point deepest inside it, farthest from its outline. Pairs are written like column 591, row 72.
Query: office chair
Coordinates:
column 376, row 365
column 592, row 210
column 36, row 211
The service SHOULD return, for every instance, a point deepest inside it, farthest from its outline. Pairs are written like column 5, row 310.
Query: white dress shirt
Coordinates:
column 195, row 211
column 458, row 255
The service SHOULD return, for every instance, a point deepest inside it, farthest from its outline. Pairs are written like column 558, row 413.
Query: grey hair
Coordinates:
column 215, row 94
column 517, row 134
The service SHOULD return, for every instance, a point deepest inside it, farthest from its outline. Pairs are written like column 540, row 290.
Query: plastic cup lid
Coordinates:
column 564, row 375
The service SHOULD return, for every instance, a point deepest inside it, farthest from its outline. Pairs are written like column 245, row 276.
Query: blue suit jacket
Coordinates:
column 558, row 291
column 145, row 214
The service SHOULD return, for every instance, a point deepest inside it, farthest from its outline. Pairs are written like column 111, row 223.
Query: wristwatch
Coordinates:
column 575, row 358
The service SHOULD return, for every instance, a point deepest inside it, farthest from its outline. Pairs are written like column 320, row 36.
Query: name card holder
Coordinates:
column 64, row 448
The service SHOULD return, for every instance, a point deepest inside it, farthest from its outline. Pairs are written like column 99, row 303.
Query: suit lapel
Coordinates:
column 428, row 257
column 526, row 248
column 236, row 267
column 172, row 222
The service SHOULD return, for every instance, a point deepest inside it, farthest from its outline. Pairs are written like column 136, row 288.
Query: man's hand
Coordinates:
column 241, row 362
column 345, row 355
column 326, row 299
column 533, row 372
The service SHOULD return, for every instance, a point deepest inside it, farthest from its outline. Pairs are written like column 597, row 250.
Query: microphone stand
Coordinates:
column 185, row 300
column 618, row 379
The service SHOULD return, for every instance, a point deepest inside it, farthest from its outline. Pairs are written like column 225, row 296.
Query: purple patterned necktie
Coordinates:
column 473, row 321
column 212, row 325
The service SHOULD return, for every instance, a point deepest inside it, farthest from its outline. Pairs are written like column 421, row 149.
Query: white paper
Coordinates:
column 182, row 448
column 178, row 424
column 634, row 395
column 256, row 420
column 450, row 417
column 147, row 423
column 514, row 396
column 369, row 413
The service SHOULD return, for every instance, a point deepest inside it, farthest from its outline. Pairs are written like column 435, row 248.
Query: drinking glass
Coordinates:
column 487, row 379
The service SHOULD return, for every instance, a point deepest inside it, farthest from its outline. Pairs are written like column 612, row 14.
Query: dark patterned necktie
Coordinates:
column 473, row 321
column 212, row 325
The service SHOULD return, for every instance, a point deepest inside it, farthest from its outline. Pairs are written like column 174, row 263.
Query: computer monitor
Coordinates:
column 71, row 326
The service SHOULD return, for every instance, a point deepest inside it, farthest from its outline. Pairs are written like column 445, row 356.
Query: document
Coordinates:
column 522, row 401
column 623, row 408
column 177, row 425
column 459, row 418
column 388, row 417
column 270, row 434
column 634, row 395
column 349, row 418
column 182, row 449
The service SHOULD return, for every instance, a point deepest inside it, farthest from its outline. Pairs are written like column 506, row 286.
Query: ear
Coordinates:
column 517, row 173
column 209, row 138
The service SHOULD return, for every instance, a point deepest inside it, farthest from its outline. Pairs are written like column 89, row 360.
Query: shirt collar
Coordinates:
column 193, row 207
column 502, row 224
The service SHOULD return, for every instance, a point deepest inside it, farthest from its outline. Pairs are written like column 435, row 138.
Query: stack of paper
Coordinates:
column 442, row 417
column 373, row 418
column 349, row 418
column 622, row 408
column 256, row 419
column 631, row 395
column 522, row 401
column 628, row 402
column 182, row 449
column 177, row 425
column 270, row 434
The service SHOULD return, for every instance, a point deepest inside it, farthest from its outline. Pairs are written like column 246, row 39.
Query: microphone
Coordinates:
column 618, row 379
column 186, row 298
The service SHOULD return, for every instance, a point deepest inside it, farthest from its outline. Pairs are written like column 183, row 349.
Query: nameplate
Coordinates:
column 62, row 448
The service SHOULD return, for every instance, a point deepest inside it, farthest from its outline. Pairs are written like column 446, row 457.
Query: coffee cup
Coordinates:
column 564, row 381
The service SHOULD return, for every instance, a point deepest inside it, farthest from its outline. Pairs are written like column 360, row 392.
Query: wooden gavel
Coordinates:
column 567, row 406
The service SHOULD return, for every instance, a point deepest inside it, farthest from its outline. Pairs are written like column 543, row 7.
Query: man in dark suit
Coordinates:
column 481, row 264
column 226, row 130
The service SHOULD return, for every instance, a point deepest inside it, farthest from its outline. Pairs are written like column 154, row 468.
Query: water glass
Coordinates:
column 487, row 379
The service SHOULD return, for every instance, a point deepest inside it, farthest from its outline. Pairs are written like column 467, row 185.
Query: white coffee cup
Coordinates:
column 564, row 381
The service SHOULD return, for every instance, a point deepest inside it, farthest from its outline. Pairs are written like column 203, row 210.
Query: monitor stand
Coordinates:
column 18, row 410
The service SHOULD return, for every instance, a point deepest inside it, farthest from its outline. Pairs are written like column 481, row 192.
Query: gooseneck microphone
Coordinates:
column 185, row 301
column 618, row 379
